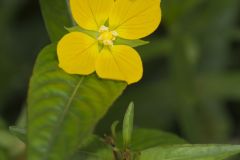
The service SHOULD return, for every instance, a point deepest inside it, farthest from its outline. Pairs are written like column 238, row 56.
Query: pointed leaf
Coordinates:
column 63, row 109
column 128, row 125
column 118, row 41
column 190, row 152
column 113, row 129
column 79, row 29
column 131, row 43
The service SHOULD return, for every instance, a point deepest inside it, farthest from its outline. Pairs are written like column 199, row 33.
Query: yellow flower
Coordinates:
column 79, row 53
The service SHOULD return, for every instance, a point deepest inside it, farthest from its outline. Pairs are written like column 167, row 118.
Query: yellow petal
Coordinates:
column 135, row 19
column 77, row 53
column 120, row 63
column 91, row 14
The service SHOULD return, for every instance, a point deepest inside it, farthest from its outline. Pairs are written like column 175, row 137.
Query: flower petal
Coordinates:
column 91, row 14
column 120, row 63
column 135, row 19
column 77, row 53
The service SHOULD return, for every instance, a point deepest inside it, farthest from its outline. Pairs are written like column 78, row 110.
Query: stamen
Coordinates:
column 114, row 33
column 106, row 37
column 103, row 29
column 108, row 42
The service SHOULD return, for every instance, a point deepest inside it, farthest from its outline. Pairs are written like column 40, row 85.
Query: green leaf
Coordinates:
column 113, row 129
column 118, row 41
column 10, row 143
column 18, row 132
column 131, row 43
column 190, row 152
column 147, row 138
column 93, row 34
column 56, row 16
column 128, row 125
column 63, row 109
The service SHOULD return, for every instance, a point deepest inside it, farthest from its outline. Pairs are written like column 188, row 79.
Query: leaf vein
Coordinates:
column 56, row 129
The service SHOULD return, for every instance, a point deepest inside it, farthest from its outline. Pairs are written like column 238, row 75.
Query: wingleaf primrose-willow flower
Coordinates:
column 79, row 53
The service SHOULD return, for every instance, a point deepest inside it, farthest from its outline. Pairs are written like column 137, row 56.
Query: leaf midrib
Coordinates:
column 55, row 131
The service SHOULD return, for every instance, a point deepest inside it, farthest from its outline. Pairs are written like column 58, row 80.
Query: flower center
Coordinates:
column 106, row 36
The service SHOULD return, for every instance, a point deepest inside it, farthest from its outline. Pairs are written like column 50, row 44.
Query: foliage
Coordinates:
column 65, row 106
column 190, row 74
column 191, row 86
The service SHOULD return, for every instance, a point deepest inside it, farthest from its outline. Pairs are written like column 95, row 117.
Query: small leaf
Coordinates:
column 131, row 43
column 190, row 152
column 128, row 125
column 113, row 129
column 79, row 29
column 19, row 132
column 118, row 41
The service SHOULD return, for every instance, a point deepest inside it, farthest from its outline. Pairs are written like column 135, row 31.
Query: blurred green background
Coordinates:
column 191, row 84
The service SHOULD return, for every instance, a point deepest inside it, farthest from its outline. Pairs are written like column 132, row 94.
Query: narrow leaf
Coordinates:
column 113, row 129
column 63, row 109
column 132, row 43
column 190, row 152
column 128, row 125
column 118, row 41
column 79, row 29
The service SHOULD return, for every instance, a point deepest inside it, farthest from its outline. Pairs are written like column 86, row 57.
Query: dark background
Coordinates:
column 191, row 84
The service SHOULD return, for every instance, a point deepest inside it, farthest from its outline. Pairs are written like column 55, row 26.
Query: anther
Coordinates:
column 106, row 36
column 103, row 29
column 114, row 33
